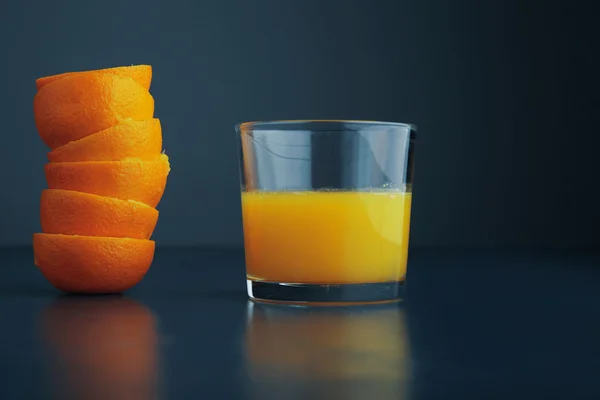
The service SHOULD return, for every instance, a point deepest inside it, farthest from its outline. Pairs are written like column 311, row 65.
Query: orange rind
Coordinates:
column 130, row 179
column 76, row 213
column 92, row 264
column 142, row 74
column 131, row 139
column 82, row 104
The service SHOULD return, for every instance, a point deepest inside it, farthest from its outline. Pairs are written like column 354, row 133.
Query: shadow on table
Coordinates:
column 299, row 353
column 100, row 347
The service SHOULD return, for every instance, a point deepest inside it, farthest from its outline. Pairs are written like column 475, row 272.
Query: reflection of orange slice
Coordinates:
column 101, row 345
column 81, row 104
column 91, row 264
column 130, row 179
column 142, row 74
column 76, row 213
column 131, row 139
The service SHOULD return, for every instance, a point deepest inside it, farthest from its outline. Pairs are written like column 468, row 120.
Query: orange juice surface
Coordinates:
column 326, row 237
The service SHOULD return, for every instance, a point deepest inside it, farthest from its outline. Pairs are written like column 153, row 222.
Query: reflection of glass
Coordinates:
column 326, row 209
column 297, row 353
column 101, row 348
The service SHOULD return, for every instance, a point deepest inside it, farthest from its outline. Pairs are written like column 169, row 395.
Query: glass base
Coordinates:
column 325, row 295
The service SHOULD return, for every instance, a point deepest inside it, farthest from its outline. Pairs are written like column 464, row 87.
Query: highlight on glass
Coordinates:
column 326, row 210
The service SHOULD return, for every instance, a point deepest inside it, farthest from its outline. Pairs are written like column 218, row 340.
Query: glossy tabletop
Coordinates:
column 474, row 325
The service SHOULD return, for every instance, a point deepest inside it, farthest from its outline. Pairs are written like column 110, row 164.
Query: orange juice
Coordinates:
column 326, row 237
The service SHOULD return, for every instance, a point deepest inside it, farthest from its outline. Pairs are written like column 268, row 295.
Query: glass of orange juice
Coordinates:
column 326, row 210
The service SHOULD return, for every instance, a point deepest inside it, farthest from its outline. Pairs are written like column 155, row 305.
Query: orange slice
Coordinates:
column 131, row 139
column 142, row 74
column 81, row 104
column 130, row 179
column 76, row 213
column 91, row 264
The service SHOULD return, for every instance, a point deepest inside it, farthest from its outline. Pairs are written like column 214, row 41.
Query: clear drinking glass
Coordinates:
column 326, row 210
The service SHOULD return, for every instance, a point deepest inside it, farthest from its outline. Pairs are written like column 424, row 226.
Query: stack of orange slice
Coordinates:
column 106, row 174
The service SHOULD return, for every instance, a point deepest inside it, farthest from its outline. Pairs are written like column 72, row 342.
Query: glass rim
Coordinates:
column 288, row 124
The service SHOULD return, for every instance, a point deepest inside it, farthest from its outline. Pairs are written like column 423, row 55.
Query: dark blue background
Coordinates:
column 501, row 92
